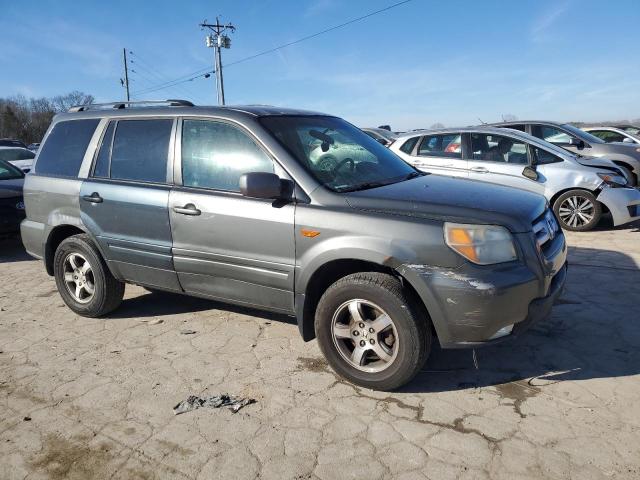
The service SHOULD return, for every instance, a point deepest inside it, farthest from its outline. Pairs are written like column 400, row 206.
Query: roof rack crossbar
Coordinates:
column 172, row 102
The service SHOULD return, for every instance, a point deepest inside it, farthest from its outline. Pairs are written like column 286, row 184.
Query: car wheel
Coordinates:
column 633, row 181
column 83, row 279
column 370, row 332
column 577, row 210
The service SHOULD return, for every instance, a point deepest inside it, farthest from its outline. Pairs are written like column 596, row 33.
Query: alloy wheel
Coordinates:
column 78, row 278
column 364, row 335
column 576, row 211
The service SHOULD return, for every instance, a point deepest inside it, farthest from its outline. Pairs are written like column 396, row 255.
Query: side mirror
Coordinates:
column 576, row 142
column 628, row 140
column 530, row 172
column 261, row 185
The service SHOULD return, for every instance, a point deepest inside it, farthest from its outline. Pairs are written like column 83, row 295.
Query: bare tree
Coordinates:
column 28, row 119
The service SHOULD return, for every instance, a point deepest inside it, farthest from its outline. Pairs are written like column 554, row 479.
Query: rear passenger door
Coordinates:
column 441, row 154
column 124, row 200
column 227, row 246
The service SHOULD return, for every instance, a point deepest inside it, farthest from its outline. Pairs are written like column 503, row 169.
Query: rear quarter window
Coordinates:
column 63, row 151
column 407, row 147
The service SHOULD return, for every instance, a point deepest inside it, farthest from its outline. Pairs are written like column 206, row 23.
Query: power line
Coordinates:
column 203, row 72
column 138, row 62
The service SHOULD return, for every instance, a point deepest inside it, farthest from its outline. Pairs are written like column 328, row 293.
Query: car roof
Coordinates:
column 230, row 111
column 476, row 129
column 527, row 122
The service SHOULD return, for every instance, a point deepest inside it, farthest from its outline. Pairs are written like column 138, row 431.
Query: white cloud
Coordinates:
column 542, row 25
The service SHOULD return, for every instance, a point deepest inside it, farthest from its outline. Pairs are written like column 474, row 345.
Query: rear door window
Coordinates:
column 448, row 146
column 140, row 150
column 63, row 152
column 104, row 154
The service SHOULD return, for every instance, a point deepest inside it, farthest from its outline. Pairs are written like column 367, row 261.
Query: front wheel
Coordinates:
column 370, row 332
column 577, row 210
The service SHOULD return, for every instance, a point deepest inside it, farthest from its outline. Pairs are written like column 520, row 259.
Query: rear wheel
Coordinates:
column 370, row 332
column 83, row 279
column 577, row 210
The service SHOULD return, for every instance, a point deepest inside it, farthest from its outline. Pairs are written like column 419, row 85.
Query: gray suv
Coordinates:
column 371, row 256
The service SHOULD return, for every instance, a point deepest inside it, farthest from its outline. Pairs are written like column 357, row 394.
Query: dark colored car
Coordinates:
column 11, row 201
column 9, row 142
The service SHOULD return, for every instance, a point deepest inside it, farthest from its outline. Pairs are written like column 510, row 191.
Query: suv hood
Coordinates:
column 454, row 199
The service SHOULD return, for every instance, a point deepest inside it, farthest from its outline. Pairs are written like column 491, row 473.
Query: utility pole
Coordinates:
column 218, row 40
column 126, row 72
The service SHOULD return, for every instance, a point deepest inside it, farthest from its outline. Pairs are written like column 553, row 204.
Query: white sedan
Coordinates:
column 18, row 157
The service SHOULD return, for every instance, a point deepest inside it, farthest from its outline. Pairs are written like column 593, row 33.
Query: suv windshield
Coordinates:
column 340, row 156
column 9, row 172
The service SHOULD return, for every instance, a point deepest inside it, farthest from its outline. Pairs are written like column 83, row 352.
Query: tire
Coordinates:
column 75, row 281
column 406, row 341
column 567, row 209
column 633, row 181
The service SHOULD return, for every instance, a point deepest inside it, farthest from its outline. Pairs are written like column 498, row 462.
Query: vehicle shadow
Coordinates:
column 158, row 304
column 606, row 224
column 591, row 334
column 11, row 250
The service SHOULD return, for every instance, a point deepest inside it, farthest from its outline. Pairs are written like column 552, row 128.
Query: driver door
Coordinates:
column 227, row 246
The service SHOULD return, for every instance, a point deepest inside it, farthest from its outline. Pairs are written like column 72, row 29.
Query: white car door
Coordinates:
column 502, row 160
column 441, row 154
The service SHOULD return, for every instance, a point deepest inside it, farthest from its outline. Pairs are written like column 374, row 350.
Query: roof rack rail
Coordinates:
column 172, row 102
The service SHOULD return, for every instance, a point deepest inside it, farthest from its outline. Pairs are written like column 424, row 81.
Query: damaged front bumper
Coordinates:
column 623, row 203
column 479, row 305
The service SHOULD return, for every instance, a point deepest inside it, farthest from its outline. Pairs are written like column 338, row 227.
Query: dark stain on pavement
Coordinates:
column 62, row 458
column 518, row 393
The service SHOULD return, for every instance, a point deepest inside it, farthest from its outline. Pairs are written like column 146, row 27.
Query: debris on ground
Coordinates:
column 187, row 332
column 194, row 402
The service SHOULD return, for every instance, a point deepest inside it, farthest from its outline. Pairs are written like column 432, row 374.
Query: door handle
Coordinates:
column 93, row 198
column 188, row 209
column 479, row 170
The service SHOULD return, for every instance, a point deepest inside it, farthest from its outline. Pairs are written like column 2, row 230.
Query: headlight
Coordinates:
column 481, row 244
column 613, row 180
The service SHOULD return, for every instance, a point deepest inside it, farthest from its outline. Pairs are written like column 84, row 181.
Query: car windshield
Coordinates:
column 16, row 154
column 9, row 172
column 386, row 134
column 340, row 156
column 582, row 134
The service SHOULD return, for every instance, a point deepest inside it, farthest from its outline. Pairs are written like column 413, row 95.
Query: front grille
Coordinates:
column 545, row 229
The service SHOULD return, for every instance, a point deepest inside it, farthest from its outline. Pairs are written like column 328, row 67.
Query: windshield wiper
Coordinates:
column 381, row 183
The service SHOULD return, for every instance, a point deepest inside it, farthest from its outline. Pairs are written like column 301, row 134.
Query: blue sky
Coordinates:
column 420, row 63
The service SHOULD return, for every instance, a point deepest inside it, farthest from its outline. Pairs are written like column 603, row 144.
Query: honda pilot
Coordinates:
column 374, row 258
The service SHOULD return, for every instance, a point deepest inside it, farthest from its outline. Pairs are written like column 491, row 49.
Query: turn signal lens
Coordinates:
column 481, row 244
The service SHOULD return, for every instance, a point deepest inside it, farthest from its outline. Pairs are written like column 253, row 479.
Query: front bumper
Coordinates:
column 470, row 305
column 623, row 203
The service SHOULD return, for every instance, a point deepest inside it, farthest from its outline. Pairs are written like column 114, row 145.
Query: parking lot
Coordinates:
column 92, row 398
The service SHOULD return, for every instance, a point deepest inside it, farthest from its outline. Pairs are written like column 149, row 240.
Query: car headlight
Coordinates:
column 481, row 244
column 613, row 180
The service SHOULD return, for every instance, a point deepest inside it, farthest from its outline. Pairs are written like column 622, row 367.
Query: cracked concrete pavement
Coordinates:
column 84, row 398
